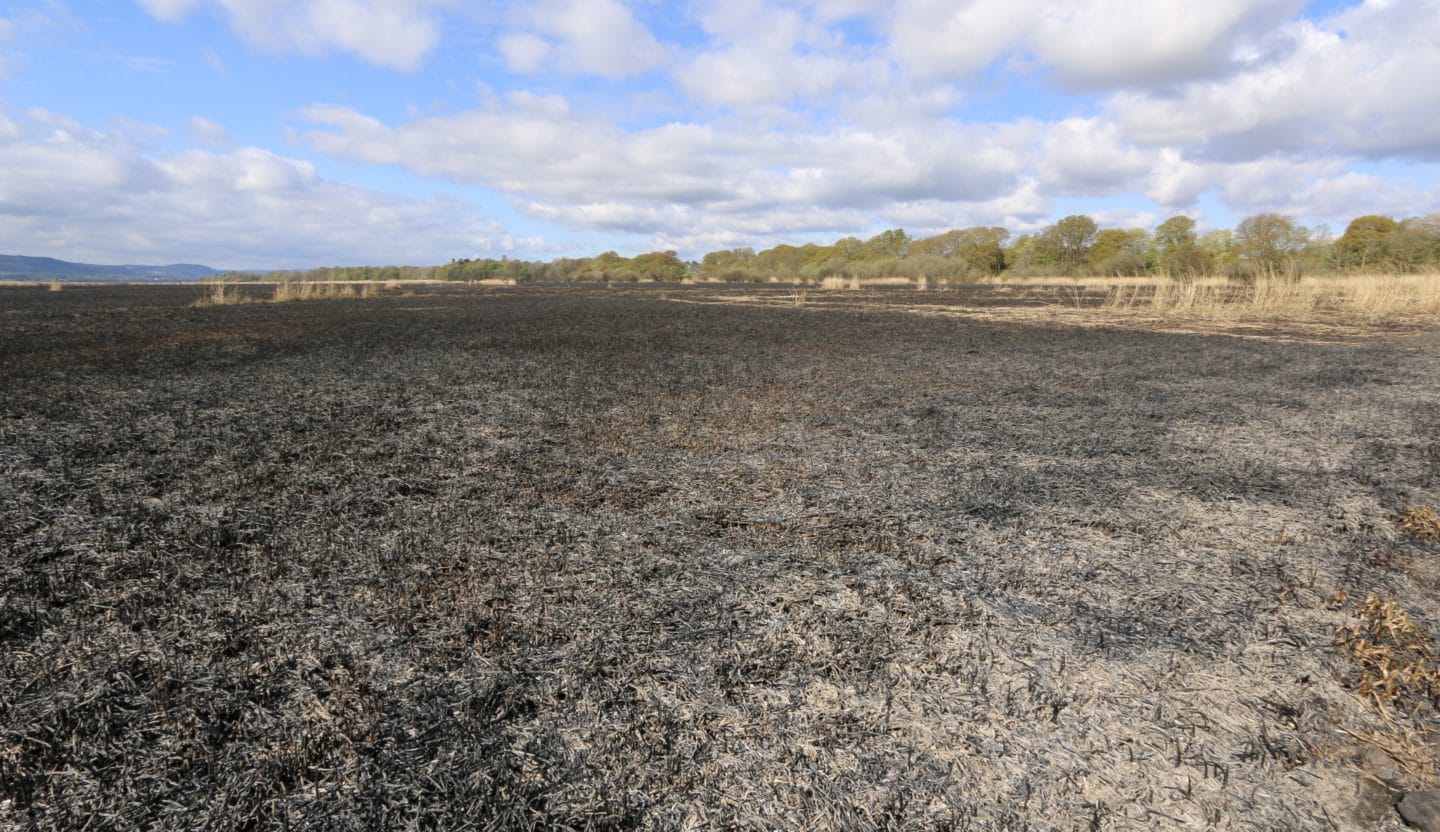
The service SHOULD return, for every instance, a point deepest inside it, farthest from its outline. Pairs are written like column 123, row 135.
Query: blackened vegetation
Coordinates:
column 597, row 559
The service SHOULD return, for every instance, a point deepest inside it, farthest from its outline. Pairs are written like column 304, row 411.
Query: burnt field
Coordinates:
column 616, row 559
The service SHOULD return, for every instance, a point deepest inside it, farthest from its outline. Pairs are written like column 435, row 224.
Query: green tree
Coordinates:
column 1218, row 249
column 981, row 249
column 728, row 264
column 1416, row 244
column 1073, row 238
column 849, row 248
column 887, row 245
column 1366, row 242
column 1177, row 248
column 1270, row 243
column 1119, row 251
column 782, row 261
column 659, row 266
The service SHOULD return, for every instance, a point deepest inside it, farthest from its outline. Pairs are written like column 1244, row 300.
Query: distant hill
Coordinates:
column 18, row 267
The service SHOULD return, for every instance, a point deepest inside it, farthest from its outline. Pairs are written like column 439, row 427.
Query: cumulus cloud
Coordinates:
column 800, row 119
column 599, row 37
column 1090, row 157
column 682, row 174
column 1090, row 44
column 767, row 55
column 391, row 33
column 1110, row 43
column 82, row 194
column 1355, row 83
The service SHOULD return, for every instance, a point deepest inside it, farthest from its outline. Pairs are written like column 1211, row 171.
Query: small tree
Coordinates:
column 887, row 245
column 1073, row 237
column 1366, row 242
column 1270, row 244
column 1119, row 251
column 1177, row 248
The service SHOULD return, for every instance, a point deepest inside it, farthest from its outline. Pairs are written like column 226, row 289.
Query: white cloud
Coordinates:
column 943, row 37
column 1355, row 83
column 87, row 195
column 524, row 52
column 168, row 9
column 528, row 147
column 766, row 55
column 682, row 180
column 1090, row 157
column 391, row 33
column 1109, row 43
column 1087, row 45
column 598, row 37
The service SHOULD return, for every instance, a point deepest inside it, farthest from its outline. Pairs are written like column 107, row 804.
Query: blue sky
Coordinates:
column 291, row 133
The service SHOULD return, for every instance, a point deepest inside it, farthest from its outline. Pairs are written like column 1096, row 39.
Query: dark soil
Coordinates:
column 603, row 559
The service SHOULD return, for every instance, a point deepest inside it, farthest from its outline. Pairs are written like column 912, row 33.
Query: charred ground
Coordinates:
column 569, row 558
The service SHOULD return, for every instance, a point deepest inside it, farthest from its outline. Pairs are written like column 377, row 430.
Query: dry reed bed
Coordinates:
column 584, row 559
column 230, row 294
column 1372, row 298
column 1312, row 308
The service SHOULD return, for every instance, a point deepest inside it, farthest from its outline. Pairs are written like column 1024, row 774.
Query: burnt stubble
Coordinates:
column 588, row 558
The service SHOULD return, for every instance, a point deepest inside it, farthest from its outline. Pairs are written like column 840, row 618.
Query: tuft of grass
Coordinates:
column 220, row 294
column 1395, row 655
column 1421, row 522
column 289, row 290
column 56, row 286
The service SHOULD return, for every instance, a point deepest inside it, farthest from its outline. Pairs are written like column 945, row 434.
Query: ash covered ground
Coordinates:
column 609, row 559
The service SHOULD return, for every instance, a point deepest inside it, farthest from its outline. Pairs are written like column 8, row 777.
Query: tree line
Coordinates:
column 1262, row 245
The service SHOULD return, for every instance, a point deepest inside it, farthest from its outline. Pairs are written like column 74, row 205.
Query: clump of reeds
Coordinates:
column 295, row 290
column 1365, row 297
column 221, row 294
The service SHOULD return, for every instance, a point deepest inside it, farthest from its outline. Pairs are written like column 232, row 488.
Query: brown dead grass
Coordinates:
column 1364, row 298
column 1399, row 670
column 288, row 291
column 1396, row 656
column 221, row 294
column 1421, row 522
column 1311, row 310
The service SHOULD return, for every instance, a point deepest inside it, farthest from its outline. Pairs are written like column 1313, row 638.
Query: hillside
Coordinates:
column 19, row 267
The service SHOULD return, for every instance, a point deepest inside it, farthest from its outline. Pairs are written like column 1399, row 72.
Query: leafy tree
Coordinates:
column 1366, row 242
column 659, row 265
column 1073, row 237
column 1031, row 251
column 1416, row 244
column 981, row 249
column 783, row 261
column 887, row 245
column 728, row 264
column 849, row 248
column 1218, row 249
column 1120, row 251
column 1270, row 243
column 1178, row 249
